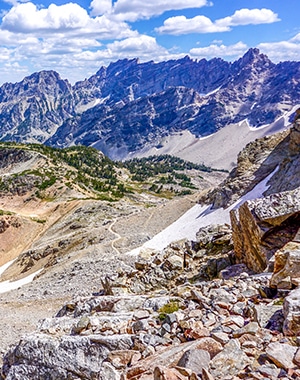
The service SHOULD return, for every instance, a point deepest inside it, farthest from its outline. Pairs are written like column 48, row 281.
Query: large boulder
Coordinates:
column 40, row 356
column 262, row 226
column 291, row 311
column 287, row 266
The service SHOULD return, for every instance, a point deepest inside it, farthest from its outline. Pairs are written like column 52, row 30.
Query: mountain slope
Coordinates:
column 32, row 110
column 163, row 313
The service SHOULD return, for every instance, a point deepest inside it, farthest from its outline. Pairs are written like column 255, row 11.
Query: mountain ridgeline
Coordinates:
column 129, row 105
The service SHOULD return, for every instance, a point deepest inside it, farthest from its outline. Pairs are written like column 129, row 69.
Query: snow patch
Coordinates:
column 6, row 286
column 84, row 107
column 211, row 92
column 287, row 115
column 199, row 216
column 5, row 266
column 284, row 117
column 205, row 137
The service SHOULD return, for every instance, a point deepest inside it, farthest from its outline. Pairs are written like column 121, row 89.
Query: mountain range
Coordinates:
column 129, row 107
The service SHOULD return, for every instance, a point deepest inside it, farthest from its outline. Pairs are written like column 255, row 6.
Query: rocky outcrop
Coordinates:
column 254, row 163
column 211, row 328
column 202, row 259
column 277, row 155
column 262, row 226
column 288, row 175
column 294, row 145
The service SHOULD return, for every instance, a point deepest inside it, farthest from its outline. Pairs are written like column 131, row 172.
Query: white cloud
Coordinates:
column 200, row 24
column 282, row 50
column 249, row 16
column 105, row 28
column 296, row 38
column 13, row 40
column 142, row 47
column 5, row 54
column 101, row 7
column 181, row 25
column 65, row 21
column 13, row 71
column 27, row 18
column 132, row 10
column 137, row 45
column 215, row 50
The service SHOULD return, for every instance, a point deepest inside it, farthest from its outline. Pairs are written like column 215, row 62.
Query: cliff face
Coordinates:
column 32, row 110
column 263, row 226
column 288, row 175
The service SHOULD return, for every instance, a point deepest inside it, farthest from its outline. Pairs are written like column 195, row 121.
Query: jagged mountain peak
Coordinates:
column 117, row 67
column 253, row 59
column 43, row 75
column 123, row 64
column 48, row 77
column 39, row 83
column 46, row 80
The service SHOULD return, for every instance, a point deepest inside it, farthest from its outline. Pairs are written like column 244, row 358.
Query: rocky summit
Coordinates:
column 130, row 107
column 103, row 302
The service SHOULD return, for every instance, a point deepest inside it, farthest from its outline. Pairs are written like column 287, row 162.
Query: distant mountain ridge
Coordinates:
column 129, row 105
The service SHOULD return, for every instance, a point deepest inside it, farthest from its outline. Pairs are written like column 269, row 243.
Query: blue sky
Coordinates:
column 76, row 38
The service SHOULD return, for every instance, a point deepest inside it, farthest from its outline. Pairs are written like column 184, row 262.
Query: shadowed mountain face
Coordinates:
column 129, row 105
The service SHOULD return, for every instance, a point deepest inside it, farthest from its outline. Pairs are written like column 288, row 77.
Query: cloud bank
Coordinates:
column 200, row 24
column 76, row 41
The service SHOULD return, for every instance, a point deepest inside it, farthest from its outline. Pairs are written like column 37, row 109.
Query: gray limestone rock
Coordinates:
column 40, row 356
column 250, row 328
column 230, row 361
column 195, row 360
column 291, row 311
column 281, row 354
column 287, row 266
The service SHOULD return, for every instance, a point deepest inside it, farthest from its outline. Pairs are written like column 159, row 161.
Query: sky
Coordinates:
column 77, row 38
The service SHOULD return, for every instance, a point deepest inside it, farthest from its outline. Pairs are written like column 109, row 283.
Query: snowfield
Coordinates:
column 6, row 286
column 200, row 216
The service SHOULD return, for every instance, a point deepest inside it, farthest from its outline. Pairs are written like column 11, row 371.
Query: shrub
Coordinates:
column 168, row 308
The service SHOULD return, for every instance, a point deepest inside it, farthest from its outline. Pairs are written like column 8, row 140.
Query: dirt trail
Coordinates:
column 118, row 236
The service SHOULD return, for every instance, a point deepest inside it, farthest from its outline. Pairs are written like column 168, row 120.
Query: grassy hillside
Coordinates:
column 89, row 171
